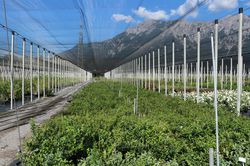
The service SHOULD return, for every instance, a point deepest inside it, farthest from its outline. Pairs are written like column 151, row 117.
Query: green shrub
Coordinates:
column 100, row 128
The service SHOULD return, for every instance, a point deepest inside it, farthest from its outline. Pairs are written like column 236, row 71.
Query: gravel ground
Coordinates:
column 9, row 140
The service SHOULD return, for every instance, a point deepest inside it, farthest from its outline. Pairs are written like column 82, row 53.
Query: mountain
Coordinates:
column 150, row 35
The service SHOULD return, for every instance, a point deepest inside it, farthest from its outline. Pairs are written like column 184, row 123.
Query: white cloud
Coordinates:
column 212, row 5
column 248, row 3
column 121, row 17
column 215, row 5
column 185, row 7
column 147, row 14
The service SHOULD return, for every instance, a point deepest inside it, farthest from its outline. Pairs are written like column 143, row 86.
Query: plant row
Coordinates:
column 99, row 127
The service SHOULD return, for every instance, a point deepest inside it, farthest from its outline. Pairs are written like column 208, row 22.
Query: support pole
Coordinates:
column 44, row 73
column 52, row 72
column 201, row 74
column 58, row 74
column 48, row 70
column 133, row 71
column 12, row 87
column 134, row 63
column 12, row 71
column 138, row 75
column 207, row 75
column 191, row 74
column 142, row 73
column 31, row 72
column 226, row 76
column 149, row 72
column 239, row 78
column 137, row 81
column 153, row 71
column 216, row 91
column 23, row 69
column 185, row 66
column 38, row 72
column 198, row 66
column 231, row 73
column 165, row 70
column 159, row 72
column 179, row 73
column 211, row 157
column 222, row 73
column 145, row 71
column 173, row 65
column 55, row 73
column 61, row 74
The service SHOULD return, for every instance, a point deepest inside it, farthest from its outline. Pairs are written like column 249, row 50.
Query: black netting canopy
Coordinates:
column 99, row 35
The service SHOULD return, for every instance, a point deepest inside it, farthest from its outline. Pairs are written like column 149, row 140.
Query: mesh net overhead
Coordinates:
column 90, row 35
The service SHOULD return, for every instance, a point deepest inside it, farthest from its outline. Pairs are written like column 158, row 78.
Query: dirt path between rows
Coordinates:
column 9, row 142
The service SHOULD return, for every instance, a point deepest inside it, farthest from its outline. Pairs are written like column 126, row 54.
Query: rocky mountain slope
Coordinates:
column 151, row 35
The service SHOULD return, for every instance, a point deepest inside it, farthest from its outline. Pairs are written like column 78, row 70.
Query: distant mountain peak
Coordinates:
column 151, row 35
column 143, row 26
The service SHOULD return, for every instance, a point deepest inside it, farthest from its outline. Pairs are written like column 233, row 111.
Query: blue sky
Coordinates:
column 55, row 23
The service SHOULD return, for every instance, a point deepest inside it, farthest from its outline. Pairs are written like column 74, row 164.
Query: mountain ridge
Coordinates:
column 151, row 35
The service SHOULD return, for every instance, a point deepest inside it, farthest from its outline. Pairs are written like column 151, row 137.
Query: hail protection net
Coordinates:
column 90, row 34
